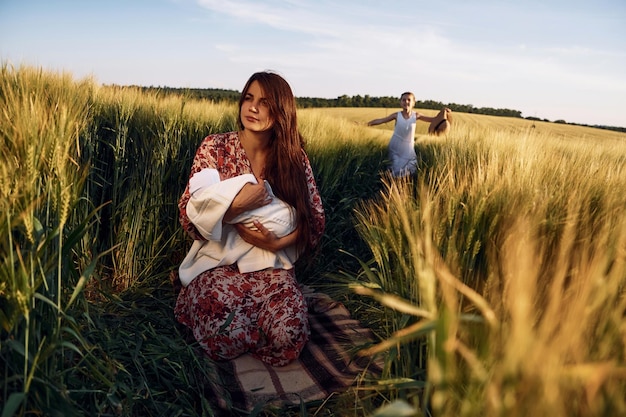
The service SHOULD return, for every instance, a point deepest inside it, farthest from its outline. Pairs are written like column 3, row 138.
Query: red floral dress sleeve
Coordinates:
column 317, row 209
column 208, row 155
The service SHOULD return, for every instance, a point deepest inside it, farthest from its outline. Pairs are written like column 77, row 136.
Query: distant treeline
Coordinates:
column 216, row 94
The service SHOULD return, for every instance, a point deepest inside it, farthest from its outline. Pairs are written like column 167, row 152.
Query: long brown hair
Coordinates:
column 284, row 167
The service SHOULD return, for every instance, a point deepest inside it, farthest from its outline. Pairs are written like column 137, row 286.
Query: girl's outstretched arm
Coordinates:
column 383, row 120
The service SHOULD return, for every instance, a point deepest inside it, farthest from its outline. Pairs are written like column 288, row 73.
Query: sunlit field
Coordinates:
column 494, row 279
column 473, row 121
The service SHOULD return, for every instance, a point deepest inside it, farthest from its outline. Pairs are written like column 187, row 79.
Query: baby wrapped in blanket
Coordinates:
column 210, row 198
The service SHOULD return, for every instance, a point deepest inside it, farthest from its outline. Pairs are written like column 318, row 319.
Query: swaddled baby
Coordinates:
column 277, row 216
column 210, row 198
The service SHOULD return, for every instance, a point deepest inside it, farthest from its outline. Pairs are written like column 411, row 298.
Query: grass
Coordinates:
column 514, row 266
column 494, row 279
column 44, row 222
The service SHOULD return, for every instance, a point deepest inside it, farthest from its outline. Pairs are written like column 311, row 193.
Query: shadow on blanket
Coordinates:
column 327, row 365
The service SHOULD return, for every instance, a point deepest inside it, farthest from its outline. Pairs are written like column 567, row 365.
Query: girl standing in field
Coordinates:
column 402, row 157
column 239, row 289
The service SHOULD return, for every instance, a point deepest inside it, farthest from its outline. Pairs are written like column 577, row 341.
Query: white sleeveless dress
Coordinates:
column 402, row 157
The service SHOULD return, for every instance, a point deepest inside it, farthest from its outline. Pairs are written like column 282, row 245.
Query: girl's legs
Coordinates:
column 402, row 157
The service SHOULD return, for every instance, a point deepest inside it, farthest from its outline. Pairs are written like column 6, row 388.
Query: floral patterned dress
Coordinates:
column 229, row 312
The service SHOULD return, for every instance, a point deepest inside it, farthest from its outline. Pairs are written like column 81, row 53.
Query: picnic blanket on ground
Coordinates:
column 328, row 364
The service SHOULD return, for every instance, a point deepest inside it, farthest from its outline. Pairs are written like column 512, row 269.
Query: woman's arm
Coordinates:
column 236, row 195
column 205, row 157
column 318, row 218
column 264, row 238
column 250, row 197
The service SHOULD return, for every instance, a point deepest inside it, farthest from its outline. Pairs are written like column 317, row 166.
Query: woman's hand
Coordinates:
column 250, row 197
column 265, row 238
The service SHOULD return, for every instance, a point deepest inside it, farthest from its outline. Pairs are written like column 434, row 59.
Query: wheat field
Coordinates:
column 493, row 279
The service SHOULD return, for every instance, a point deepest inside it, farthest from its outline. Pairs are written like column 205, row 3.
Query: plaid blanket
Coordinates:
column 326, row 366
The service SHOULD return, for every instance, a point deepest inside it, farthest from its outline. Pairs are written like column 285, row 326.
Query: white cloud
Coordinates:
column 290, row 16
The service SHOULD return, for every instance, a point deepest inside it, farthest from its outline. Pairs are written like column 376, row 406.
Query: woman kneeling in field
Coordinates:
column 240, row 292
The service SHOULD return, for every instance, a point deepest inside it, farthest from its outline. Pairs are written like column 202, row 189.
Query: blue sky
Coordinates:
column 553, row 59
